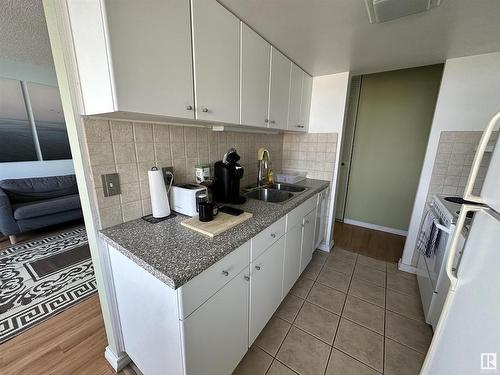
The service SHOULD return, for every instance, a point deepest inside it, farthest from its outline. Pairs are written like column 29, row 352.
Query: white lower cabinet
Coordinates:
column 291, row 264
column 266, row 277
column 307, row 240
column 216, row 335
column 206, row 326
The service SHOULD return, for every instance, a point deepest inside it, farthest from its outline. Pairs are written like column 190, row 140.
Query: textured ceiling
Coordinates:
column 23, row 32
column 331, row 36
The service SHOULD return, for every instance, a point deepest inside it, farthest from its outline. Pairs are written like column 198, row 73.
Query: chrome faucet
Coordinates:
column 264, row 163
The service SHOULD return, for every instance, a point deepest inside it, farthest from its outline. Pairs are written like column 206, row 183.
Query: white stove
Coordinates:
column 432, row 279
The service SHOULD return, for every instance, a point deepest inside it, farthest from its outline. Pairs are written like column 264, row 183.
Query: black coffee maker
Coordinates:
column 227, row 176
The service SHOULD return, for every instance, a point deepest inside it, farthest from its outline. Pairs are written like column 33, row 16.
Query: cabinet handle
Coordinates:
column 246, row 277
column 225, row 273
column 273, row 122
column 300, row 126
column 307, row 221
column 257, row 268
column 189, row 107
column 273, row 235
column 204, row 110
column 266, row 120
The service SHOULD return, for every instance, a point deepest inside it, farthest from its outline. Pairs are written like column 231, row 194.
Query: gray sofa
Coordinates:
column 33, row 203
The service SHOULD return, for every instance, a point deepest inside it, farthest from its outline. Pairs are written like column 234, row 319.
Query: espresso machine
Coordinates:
column 227, row 176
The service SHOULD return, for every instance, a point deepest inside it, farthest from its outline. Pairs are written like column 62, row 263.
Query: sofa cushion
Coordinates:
column 39, row 188
column 46, row 207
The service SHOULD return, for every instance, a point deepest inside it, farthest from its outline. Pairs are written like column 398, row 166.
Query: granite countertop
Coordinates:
column 175, row 254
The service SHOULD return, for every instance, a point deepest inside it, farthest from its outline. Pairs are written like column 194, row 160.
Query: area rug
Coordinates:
column 41, row 278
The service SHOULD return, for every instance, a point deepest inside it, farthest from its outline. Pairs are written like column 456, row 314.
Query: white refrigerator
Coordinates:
column 467, row 337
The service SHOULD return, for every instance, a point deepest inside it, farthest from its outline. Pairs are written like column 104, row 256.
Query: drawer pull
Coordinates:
column 246, row 277
column 225, row 273
column 273, row 235
column 307, row 221
column 258, row 268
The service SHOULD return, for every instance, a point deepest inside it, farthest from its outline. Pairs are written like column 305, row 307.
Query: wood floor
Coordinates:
column 71, row 342
column 373, row 243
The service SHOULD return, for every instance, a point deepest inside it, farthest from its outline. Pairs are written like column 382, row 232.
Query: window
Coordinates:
column 16, row 135
column 20, row 136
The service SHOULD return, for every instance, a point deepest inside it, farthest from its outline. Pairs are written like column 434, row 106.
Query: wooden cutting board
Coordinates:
column 219, row 224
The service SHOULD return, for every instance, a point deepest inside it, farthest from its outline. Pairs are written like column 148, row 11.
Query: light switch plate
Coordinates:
column 111, row 184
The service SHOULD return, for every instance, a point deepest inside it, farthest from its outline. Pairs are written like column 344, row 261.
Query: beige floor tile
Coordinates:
column 369, row 274
column 289, row 308
column 326, row 297
column 255, row 362
column 393, row 268
column 364, row 313
column 368, row 292
column 402, row 284
column 417, row 335
column 272, row 335
column 312, row 270
column 304, row 353
column 404, row 304
column 342, row 364
column 360, row 343
column 400, row 360
column 278, row 368
column 339, row 257
column 319, row 256
column 345, row 254
column 334, row 279
column 302, row 287
column 371, row 262
column 340, row 265
column 318, row 322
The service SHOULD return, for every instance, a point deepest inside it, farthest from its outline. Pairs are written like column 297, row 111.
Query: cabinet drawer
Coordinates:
column 207, row 283
column 295, row 216
column 267, row 237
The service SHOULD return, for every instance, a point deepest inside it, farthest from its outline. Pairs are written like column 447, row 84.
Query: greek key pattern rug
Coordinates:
column 41, row 278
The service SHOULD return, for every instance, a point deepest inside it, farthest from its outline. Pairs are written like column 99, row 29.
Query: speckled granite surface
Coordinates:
column 175, row 254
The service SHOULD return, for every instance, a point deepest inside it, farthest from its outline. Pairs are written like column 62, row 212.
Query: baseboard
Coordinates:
column 118, row 363
column 406, row 267
column 324, row 246
column 376, row 227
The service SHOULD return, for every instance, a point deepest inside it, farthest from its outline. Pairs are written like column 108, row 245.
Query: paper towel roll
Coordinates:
column 159, row 195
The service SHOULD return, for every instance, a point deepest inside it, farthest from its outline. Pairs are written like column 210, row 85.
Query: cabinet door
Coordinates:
column 279, row 90
column 255, row 65
column 294, row 117
column 216, row 334
column 292, row 258
column 216, row 45
column 151, row 55
column 307, row 240
column 305, row 106
column 265, row 287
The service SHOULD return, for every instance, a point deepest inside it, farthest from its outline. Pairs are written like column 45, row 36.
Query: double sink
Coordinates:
column 275, row 193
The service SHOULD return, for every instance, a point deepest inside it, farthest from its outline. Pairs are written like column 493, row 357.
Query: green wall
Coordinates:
column 394, row 119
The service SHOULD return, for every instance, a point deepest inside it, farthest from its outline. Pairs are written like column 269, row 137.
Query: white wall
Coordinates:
column 328, row 107
column 469, row 96
column 47, row 76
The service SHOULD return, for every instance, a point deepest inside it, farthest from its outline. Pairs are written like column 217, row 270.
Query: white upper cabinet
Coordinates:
column 255, row 65
column 134, row 57
column 216, row 46
column 279, row 90
column 305, row 106
column 294, row 115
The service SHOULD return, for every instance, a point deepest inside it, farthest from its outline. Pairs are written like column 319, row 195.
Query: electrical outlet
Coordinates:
column 111, row 184
column 167, row 176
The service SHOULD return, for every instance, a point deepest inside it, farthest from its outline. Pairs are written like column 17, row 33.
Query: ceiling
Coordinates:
column 331, row 36
column 23, row 32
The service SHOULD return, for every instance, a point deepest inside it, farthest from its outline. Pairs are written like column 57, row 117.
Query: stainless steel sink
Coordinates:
column 292, row 188
column 269, row 195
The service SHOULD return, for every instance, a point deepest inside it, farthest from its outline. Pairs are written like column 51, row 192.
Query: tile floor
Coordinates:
column 346, row 315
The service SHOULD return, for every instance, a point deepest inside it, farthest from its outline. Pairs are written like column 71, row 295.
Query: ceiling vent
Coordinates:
column 387, row 10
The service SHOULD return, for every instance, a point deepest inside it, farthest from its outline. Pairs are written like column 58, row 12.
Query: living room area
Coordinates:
column 45, row 261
